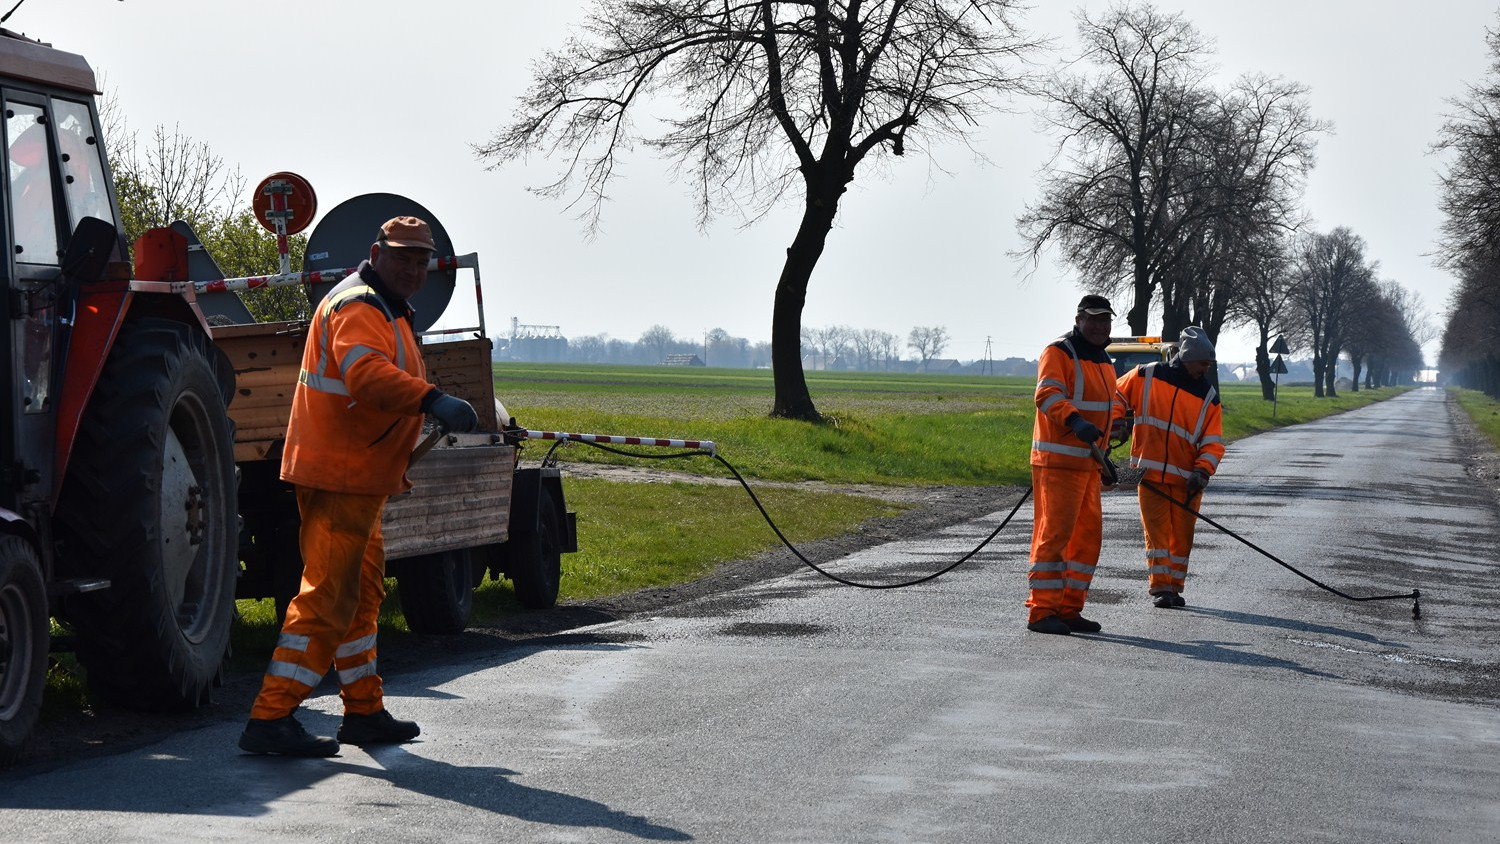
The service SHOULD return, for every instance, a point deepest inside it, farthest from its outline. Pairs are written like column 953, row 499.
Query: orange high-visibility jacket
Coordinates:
column 1178, row 422
column 357, row 411
column 1073, row 376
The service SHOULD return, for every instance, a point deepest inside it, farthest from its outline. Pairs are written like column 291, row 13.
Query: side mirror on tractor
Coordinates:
column 92, row 246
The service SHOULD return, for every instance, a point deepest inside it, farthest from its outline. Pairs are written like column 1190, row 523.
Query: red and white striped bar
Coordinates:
column 705, row 445
column 225, row 285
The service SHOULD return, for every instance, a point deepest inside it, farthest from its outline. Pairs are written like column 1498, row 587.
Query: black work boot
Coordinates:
column 1079, row 624
column 1163, row 600
column 284, row 737
column 1051, row 624
column 380, row 728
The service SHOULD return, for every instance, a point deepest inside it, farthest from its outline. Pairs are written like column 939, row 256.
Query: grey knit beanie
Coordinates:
column 1195, row 345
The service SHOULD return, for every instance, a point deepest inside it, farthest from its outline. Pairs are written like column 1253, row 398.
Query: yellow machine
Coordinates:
column 1128, row 352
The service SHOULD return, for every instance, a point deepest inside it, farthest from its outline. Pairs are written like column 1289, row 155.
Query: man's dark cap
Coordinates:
column 1093, row 305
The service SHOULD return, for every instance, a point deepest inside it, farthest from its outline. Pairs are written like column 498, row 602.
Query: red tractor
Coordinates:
column 118, row 510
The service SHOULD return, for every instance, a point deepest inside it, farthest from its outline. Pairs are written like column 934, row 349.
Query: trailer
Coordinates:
column 472, row 509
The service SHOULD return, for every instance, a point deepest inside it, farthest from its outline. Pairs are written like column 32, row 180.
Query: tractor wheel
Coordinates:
column 534, row 560
column 23, row 644
column 437, row 590
column 150, row 504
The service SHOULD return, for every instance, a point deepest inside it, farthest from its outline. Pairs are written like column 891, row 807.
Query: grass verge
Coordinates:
column 1483, row 409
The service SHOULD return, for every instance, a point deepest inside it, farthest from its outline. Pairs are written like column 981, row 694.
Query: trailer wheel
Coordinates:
column 23, row 644
column 437, row 590
column 150, row 503
column 285, row 561
column 534, row 559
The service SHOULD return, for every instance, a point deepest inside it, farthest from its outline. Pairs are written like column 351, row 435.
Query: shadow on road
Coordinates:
column 248, row 786
column 1212, row 651
column 491, row 789
column 1296, row 625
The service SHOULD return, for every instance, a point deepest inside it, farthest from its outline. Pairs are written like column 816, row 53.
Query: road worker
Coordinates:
column 1177, row 437
column 356, row 416
column 1074, row 400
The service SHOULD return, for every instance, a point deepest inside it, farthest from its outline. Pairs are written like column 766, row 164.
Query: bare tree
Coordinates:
column 928, row 342
column 1265, row 286
column 1472, row 333
column 1165, row 182
column 183, row 179
column 1258, row 148
column 872, row 346
column 658, row 340
column 831, row 342
column 775, row 97
column 1333, row 278
column 1382, row 339
column 1124, row 159
column 1470, row 246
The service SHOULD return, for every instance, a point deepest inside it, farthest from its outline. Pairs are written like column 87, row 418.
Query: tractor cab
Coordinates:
column 54, row 175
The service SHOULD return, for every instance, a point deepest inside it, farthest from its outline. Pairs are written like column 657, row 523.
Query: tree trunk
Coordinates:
column 1317, row 366
column 1140, row 309
column 1356, row 360
column 1263, row 369
column 793, row 401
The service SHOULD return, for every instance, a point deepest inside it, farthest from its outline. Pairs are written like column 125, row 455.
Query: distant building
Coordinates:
column 683, row 360
column 944, row 366
column 537, row 343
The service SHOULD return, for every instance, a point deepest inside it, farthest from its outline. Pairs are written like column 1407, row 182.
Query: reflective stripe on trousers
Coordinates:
column 1065, row 536
column 332, row 621
column 1169, row 536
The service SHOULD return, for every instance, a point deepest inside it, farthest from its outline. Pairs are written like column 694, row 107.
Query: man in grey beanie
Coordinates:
column 1177, row 437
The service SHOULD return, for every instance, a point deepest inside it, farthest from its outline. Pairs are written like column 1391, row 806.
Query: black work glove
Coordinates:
column 1119, row 430
column 512, row 433
column 453, row 414
column 1197, row 481
column 1084, row 429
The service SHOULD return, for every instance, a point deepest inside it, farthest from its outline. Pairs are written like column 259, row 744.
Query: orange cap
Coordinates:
column 407, row 232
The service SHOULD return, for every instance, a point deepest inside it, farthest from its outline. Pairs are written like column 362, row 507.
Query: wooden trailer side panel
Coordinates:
column 462, row 368
column 266, row 358
column 460, row 499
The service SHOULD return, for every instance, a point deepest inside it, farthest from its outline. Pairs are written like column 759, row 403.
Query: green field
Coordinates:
column 899, row 429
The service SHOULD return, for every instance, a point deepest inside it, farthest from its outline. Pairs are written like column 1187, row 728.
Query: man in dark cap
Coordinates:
column 356, row 415
column 1177, row 437
column 1074, row 403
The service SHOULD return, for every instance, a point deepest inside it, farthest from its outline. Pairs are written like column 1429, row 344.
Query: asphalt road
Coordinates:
column 798, row 710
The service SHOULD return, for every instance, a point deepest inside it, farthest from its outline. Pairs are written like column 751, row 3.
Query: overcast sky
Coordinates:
column 379, row 96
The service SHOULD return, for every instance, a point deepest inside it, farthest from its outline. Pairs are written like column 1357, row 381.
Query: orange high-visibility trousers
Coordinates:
column 1065, row 536
column 1169, row 535
column 332, row 620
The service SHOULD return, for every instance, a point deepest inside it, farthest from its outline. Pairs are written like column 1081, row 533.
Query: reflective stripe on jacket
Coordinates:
column 1178, row 421
column 356, row 413
column 1073, row 375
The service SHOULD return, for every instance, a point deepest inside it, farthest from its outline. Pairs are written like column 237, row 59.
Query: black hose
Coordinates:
column 549, row 459
column 1414, row 595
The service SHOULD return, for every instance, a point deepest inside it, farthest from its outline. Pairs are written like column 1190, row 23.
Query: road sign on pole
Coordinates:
column 1278, row 366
